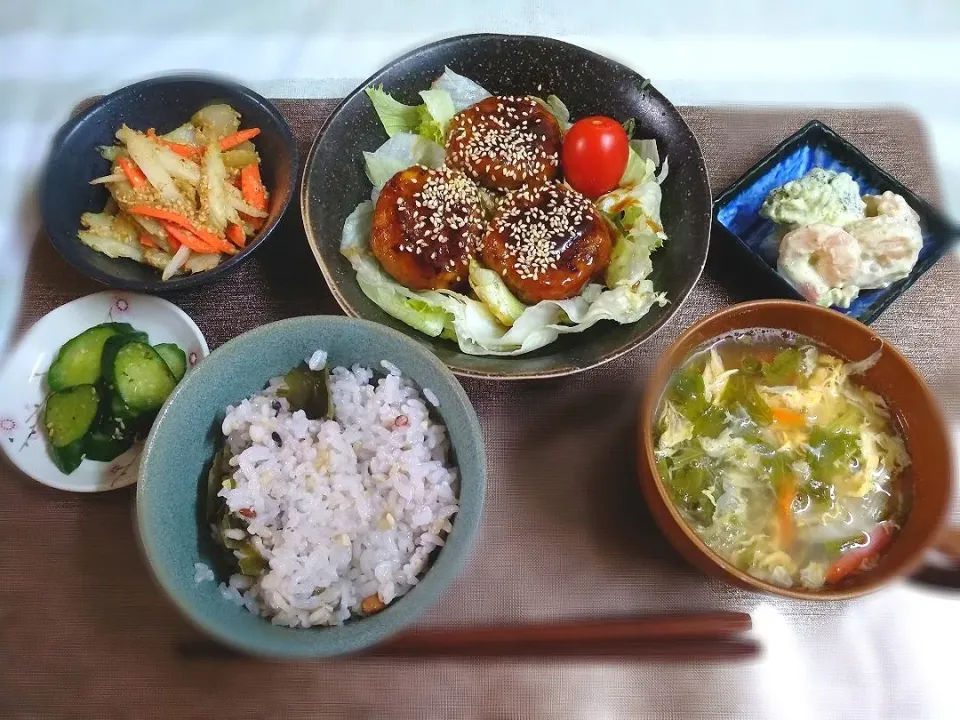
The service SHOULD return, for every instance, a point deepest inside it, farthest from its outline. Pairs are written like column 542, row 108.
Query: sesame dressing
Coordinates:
column 444, row 211
column 539, row 224
column 509, row 141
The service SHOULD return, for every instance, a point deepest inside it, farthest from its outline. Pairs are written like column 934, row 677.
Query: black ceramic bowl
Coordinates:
column 589, row 84
column 162, row 103
column 744, row 233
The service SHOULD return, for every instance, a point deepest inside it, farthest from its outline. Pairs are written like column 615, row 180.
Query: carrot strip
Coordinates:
column 789, row 418
column 231, row 141
column 191, row 152
column 879, row 538
column 176, row 219
column 146, row 239
column 787, row 492
column 134, row 174
column 188, row 238
column 236, row 235
column 251, row 186
column 255, row 222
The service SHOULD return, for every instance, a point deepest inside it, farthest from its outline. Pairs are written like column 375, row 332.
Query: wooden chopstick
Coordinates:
column 700, row 636
column 704, row 649
column 695, row 635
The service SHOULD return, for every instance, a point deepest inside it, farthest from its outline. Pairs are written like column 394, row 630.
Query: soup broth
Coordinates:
column 780, row 460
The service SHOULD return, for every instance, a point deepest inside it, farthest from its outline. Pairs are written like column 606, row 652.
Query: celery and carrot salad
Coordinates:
column 182, row 201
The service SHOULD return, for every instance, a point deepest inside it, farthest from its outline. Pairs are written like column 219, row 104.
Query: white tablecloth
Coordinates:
column 893, row 650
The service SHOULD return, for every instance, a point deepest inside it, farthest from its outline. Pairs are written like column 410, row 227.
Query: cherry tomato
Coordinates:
column 595, row 152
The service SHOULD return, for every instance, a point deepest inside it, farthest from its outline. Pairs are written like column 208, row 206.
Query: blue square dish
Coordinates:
column 737, row 219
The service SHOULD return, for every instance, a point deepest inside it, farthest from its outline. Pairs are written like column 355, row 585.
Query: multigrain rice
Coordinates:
column 340, row 509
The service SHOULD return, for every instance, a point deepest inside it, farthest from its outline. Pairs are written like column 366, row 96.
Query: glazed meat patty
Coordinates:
column 547, row 242
column 426, row 226
column 505, row 142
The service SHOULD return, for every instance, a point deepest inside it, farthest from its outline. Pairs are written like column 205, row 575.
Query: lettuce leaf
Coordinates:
column 557, row 109
column 639, row 170
column 394, row 115
column 428, row 120
column 646, row 150
column 464, row 92
column 495, row 294
column 438, row 106
column 634, row 206
column 473, row 325
column 630, row 260
column 401, row 151
column 391, row 297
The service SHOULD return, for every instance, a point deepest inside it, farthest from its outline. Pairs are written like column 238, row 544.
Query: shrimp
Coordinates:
column 890, row 240
column 890, row 205
column 821, row 261
column 889, row 248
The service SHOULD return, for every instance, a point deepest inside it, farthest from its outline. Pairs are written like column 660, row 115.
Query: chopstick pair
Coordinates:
column 701, row 636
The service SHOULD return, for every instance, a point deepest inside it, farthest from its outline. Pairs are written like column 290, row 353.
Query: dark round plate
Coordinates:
column 162, row 103
column 589, row 84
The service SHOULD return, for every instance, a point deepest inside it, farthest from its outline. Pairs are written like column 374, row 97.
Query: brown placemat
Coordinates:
column 84, row 631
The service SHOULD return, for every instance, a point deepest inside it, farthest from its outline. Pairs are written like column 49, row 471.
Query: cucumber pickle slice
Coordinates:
column 69, row 414
column 141, row 377
column 78, row 361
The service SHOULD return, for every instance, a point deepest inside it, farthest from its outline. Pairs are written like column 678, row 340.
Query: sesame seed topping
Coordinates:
column 506, row 141
column 539, row 223
column 444, row 221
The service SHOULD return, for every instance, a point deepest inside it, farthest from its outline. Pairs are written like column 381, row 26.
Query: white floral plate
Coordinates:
column 23, row 380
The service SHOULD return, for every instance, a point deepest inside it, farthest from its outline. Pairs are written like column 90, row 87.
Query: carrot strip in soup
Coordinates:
column 848, row 563
column 173, row 218
column 236, row 235
column 251, row 186
column 146, row 239
column 785, row 495
column 231, row 141
column 134, row 174
column 788, row 418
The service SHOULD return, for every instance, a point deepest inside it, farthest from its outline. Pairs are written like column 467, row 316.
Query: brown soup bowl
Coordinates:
column 893, row 377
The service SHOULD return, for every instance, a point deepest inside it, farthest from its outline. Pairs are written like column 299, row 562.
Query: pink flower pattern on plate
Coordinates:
column 7, row 425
